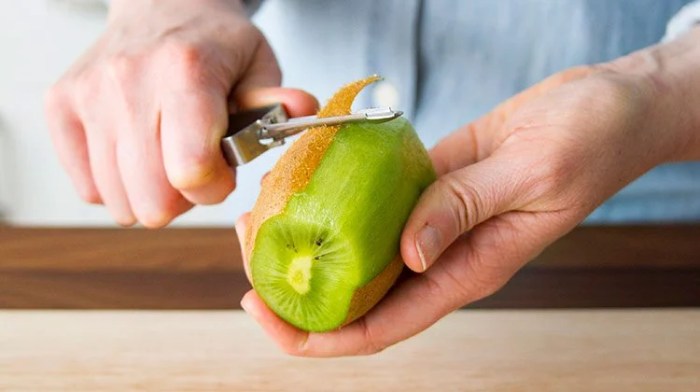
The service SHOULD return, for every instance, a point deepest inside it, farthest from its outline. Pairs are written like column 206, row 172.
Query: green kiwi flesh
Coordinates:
column 343, row 229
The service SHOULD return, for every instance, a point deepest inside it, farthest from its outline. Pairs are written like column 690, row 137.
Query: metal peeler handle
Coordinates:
column 251, row 133
column 298, row 124
column 241, row 143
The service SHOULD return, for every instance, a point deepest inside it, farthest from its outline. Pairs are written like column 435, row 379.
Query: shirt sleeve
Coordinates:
column 252, row 6
column 687, row 18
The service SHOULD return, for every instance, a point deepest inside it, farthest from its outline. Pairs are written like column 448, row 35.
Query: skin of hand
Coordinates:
column 138, row 119
column 514, row 181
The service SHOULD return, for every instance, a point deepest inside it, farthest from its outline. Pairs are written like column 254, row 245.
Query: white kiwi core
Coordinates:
column 299, row 274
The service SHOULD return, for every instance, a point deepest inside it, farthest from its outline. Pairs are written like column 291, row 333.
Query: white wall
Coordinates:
column 39, row 39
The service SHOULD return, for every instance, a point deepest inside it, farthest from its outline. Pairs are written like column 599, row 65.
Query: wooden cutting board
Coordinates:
column 477, row 350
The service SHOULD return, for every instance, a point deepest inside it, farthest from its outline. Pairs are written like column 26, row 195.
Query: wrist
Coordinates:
column 669, row 75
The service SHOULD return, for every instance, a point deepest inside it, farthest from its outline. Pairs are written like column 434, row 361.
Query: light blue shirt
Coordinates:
column 451, row 61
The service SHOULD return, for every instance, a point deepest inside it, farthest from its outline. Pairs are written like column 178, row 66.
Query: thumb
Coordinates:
column 453, row 205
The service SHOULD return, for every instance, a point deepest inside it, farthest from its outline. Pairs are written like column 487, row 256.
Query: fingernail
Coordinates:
column 428, row 245
column 248, row 307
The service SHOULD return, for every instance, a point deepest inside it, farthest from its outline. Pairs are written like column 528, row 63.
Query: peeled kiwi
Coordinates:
column 324, row 238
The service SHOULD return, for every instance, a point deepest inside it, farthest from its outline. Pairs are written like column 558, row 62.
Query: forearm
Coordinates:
column 671, row 75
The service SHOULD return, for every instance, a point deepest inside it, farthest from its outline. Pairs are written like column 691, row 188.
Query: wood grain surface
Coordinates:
column 43, row 268
column 477, row 350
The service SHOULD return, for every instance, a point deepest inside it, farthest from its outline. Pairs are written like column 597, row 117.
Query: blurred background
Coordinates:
column 40, row 39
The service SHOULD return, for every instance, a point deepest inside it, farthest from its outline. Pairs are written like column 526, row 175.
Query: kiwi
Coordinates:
column 324, row 238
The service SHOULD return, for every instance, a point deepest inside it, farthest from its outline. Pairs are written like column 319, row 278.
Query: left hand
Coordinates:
column 509, row 185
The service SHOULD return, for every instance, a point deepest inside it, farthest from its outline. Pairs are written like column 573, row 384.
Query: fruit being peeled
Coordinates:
column 323, row 241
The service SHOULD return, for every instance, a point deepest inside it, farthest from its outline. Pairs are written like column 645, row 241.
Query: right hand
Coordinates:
column 138, row 119
column 509, row 184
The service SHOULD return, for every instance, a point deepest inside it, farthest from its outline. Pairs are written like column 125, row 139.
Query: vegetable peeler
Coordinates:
column 251, row 133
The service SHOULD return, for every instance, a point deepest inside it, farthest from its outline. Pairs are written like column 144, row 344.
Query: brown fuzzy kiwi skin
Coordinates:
column 368, row 295
column 292, row 174
column 293, row 171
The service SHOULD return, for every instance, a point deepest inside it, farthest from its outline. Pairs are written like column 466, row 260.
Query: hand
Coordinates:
column 138, row 119
column 509, row 184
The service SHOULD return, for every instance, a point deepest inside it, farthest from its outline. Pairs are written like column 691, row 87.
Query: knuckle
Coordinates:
column 186, row 58
column 482, row 275
column 371, row 344
column 481, row 286
column 87, row 90
column 446, row 291
column 54, row 99
column 463, row 282
column 454, row 290
column 433, row 288
column 122, row 67
column 466, row 200
column 474, row 288
column 215, row 197
column 250, row 30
